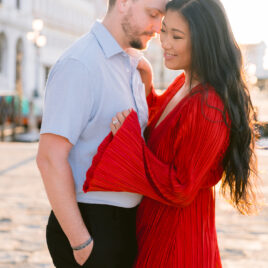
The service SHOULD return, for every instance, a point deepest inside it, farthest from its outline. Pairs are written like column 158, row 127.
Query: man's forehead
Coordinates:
column 160, row 5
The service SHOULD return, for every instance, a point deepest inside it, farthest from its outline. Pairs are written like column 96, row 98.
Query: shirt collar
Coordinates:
column 107, row 42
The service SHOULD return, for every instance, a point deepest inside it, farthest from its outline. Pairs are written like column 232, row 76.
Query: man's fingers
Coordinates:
column 83, row 255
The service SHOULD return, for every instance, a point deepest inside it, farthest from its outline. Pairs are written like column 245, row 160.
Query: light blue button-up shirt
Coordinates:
column 92, row 81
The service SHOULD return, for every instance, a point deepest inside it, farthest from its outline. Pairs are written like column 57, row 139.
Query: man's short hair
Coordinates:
column 111, row 3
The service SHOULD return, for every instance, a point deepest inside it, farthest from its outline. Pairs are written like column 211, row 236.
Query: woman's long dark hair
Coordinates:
column 217, row 60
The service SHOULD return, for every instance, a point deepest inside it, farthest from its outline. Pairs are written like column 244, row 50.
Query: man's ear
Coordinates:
column 123, row 5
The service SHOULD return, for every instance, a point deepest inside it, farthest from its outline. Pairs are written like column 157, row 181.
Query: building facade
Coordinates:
column 64, row 22
column 256, row 63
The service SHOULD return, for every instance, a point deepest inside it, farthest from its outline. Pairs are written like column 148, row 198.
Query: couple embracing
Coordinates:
column 130, row 174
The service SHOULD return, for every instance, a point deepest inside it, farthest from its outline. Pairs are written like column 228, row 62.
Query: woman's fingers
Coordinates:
column 126, row 113
column 118, row 120
column 113, row 128
column 120, row 117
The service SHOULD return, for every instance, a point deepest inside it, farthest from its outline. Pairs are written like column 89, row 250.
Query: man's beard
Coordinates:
column 133, row 32
column 136, row 44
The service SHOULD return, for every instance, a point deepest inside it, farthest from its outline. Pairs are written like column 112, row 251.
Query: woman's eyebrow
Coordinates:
column 174, row 29
column 177, row 30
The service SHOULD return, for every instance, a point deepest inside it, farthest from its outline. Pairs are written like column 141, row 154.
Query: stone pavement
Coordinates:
column 24, row 210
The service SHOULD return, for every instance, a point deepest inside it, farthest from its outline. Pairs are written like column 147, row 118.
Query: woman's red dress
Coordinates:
column 176, row 171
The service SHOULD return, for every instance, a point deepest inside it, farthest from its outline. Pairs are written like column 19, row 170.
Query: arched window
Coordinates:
column 19, row 60
column 3, row 52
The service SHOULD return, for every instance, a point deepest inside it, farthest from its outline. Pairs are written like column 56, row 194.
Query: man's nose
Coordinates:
column 157, row 26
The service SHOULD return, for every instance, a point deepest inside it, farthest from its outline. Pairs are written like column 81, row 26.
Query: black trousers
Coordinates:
column 114, row 233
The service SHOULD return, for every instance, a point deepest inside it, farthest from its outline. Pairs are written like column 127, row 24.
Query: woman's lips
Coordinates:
column 169, row 55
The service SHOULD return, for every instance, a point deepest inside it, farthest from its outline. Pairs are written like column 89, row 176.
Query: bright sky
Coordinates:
column 249, row 20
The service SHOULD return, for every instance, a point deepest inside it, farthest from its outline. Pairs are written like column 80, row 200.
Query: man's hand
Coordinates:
column 56, row 172
column 82, row 255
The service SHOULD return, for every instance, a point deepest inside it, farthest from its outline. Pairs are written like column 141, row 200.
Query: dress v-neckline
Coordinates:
column 169, row 97
column 174, row 91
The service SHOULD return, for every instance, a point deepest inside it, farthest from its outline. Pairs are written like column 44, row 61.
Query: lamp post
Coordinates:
column 38, row 41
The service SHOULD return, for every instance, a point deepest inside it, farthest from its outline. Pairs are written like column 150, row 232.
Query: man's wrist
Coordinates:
column 77, row 238
column 83, row 245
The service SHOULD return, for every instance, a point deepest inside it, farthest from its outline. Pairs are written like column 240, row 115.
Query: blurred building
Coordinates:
column 256, row 61
column 255, row 58
column 64, row 22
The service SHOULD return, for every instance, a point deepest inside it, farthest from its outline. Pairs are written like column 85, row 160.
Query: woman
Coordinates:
column 200, row 131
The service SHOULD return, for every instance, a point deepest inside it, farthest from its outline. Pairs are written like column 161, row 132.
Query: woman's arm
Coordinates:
column 146, row 73
column 144, row 67
column 125, row 163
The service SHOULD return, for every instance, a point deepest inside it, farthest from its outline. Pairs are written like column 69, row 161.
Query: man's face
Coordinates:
column 142, row 21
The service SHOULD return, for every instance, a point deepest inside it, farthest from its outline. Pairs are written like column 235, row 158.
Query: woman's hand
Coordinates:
column 145, row 69
column 118, row 120
column 146, row 72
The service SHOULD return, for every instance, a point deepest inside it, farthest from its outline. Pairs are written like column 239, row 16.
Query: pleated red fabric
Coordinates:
column 176, row 171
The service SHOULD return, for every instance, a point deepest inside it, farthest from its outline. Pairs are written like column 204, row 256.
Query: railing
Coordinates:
column 10, row 115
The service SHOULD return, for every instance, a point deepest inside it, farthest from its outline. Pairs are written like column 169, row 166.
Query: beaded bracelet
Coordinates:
column 83, row 245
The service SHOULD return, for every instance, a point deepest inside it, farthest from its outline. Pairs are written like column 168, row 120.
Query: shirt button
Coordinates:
column 127, row 70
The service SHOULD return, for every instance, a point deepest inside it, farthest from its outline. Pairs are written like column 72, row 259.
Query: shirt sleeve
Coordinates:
column 125, row 163
column 68, row 100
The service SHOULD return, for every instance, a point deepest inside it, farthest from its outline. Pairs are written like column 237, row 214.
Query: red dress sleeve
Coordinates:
column 154, row 100
column 152, row 97
column 125, row 163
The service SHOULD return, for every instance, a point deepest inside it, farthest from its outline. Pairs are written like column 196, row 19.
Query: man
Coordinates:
column 92, row 81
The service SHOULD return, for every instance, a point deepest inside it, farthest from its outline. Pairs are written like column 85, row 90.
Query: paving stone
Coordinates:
column 24, row 210
column 13, row 257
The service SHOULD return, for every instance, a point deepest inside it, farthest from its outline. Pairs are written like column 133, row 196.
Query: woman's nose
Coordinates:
column 165, row 44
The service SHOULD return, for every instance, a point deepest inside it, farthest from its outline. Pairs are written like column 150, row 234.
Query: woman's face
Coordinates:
column 176, row 41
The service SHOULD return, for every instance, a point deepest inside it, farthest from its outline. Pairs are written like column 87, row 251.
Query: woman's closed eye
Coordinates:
column 177, row 37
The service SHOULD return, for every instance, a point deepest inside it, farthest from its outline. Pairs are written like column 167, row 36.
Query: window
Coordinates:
column 18, row 4
column 2, row 52
column 47, row 69
column 19, row 61
column 1, row 56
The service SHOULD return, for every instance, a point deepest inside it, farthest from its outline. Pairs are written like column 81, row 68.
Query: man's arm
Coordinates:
column 52, row 161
